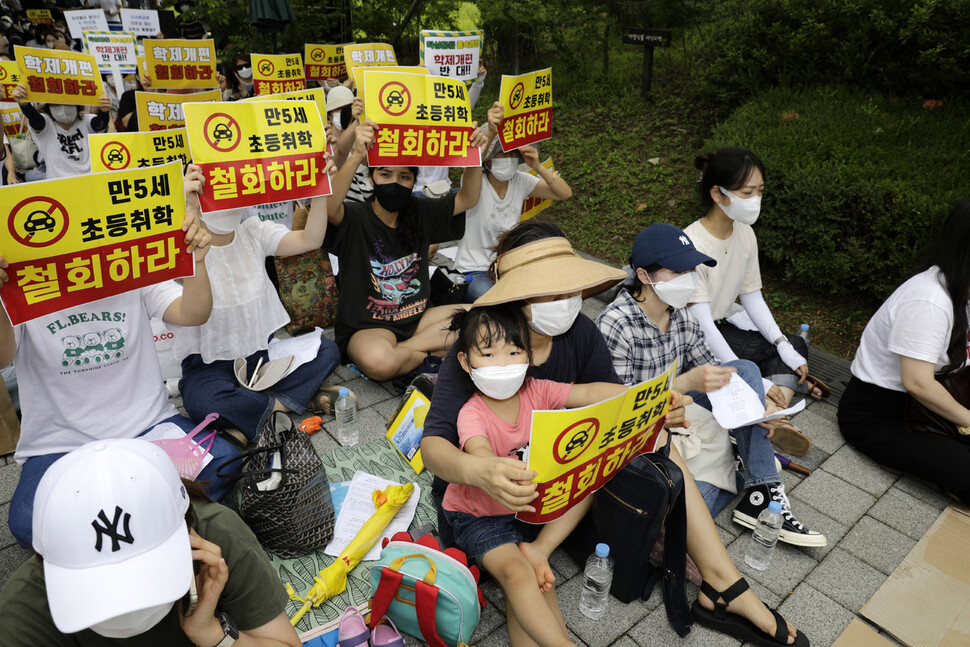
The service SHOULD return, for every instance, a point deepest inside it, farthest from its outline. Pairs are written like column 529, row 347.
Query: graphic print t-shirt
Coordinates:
column 382, row 283
column 65, row 151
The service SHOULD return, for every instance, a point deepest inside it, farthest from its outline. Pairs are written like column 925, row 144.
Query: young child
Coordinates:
column 494, row 348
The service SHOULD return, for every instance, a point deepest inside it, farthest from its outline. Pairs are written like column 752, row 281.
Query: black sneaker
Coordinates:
column 793, row 532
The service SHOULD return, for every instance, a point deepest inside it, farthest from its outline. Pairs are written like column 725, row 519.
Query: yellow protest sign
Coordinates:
column 12, row 117
column 368, row 55
column 576, row 451
column 9, row 78
column 358, row 74
column 424, row 120
column 159, row 111
column 527, row 100
column 142, row 65
column 254, row 152
column 119, row 151
column 181, row 63
column 59, row 76
column 79, row 239
column 40, row 16
column 310, row 94
column 275, row 73
column 532, row 206
column 322, row 62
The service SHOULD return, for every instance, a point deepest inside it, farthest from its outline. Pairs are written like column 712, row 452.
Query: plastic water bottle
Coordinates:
column 596, row 583
column 765, row 537
column 803, row 333
column 346, row 413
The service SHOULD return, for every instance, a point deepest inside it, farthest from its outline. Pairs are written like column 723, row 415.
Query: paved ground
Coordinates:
column 872, row 519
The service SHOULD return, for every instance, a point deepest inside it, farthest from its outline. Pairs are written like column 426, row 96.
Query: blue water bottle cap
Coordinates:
column 602, row 550
column 344, row 392
column 775, row 506
column 469, row 278
column 805, row 327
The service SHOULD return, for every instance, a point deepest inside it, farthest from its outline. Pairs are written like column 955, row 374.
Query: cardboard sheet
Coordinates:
column 859, row 634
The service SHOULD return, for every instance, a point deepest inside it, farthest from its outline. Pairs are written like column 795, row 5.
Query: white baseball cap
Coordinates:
column 109, row 521
column 339, row 97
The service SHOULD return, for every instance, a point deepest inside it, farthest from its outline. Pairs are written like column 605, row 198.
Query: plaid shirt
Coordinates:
column 641, row 350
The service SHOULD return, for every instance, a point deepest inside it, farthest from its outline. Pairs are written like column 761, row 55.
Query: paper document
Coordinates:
column 357, row 508
column 449, row 252
column 737, row 405
column 303, row 348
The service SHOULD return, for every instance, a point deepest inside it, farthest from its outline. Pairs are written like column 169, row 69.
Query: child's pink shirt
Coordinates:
column 476, row 419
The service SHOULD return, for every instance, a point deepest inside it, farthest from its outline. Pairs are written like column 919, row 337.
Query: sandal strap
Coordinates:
column 781, row 628
column 722, row 599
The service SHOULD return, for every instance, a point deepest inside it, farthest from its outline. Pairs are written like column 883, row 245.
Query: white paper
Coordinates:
column 358, row 507
column 737, row 405
column 171, row 431
column 334, row 264
column 449, row 252
column 742, row 321
column 303, row 348
column 82, row 20
column 142, row 22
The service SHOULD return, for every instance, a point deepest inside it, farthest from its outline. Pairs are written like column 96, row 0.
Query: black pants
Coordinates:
column 750, row 345
column 871, row 420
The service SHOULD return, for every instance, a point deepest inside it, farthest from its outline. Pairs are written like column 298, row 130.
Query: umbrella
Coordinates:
column 332, row 580
column 270, row 16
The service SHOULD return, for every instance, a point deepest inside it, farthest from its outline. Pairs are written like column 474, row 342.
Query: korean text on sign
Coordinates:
column 40, row 17
column 120, row 151
column 58, row 76
column 177, row 63
column 322, row 62
column 358, row 74
column 276, row 73
column 12, row 117
column 141, row 22
column 82, row 20
column 454, row 54
column 9, row 78
column 76, row 240
column 424, row 120
column 576, row 451
column 527, row 100
column 257, row 152
column 368, row 55
column 532, row 206
column 112, row 48
column 157, row 111
column 310, row 94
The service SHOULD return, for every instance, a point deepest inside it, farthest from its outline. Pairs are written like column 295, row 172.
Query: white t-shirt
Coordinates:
column 489, row 219
column 91, row 372
column 65, row 151
column 737, row 271
column 915, row 321
column 279, row 212
column 246, row 308
column 112, row 10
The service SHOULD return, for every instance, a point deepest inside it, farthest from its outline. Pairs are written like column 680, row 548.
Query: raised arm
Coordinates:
column 311, row 236
column 551, row 186
column 340, row 183
column 471, row 178
column 195, row 305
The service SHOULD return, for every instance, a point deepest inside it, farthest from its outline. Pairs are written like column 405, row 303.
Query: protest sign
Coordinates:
column 181, row 63
column 59, row 76
column 79, row 239
column 368, row 55
column 158, row 111
column 82, row 20
column 141, row 22
column 9, row 78
column 532, row 206
column 358, row 74
column 40, row 17
column 424, row 120
column 120, row 151
column 275, row 73
column 576, row 451
column 257, row 152
column 454, row 54
column 322, row 62
column 12, row 118
column 527, row 100
column 310, row 94
column 112, row 48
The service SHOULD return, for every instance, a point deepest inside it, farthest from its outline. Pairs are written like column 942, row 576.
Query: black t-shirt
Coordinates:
column 382, row 283
column 126, row 105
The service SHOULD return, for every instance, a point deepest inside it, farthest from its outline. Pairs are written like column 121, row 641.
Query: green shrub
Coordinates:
column 857, row 184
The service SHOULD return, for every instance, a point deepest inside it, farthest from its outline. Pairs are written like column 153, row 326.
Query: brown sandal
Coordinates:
column 787, row 438
column 815, row 384
column 330, row 395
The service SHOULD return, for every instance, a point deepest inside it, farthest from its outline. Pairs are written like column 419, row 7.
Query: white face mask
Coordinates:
column 555, row 317
column 245, row 73
column 676, row 292
column 499, row 382
column 64, row 114
column 504, row 168
column 336, row 120
column 743, row 210
column 132, row 624
column 223, row 222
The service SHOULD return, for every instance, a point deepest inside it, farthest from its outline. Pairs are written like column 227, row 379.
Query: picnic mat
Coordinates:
column 376, row 457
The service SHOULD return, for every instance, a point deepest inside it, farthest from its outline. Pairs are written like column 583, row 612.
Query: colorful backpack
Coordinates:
column 428, row 593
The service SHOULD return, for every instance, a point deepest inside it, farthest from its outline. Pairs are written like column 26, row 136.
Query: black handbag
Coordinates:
column 921, row 419
column 296, row 516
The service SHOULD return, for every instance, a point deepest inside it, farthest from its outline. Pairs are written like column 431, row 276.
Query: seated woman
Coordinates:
column 731, row 188
column 384, row 325
column 648, row 327
column 537, row 268
column 918, row 333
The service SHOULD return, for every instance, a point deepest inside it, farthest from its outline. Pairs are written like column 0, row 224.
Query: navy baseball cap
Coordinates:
column 667, row 246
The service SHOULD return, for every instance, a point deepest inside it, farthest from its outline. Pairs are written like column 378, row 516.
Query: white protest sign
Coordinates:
column 112, row 49
column 141, row 22
column 83, row 20
column 453, row 54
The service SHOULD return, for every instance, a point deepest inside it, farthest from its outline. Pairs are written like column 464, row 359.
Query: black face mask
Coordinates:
column 392, row 196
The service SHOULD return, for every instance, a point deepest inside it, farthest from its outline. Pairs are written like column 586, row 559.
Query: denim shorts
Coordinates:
column 478, row 535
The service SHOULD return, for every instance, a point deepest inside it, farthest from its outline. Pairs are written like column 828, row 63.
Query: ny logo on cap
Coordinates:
column 110, row 528
column 684, row 240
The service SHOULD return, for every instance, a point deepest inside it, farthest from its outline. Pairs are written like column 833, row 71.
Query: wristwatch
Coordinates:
column 780, row 340
column 229, row 629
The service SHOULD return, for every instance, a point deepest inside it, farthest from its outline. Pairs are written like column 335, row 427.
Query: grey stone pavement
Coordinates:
column 872, row 519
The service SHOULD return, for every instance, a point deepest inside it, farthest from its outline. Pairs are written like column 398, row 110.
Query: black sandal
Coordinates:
column 738, row 626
